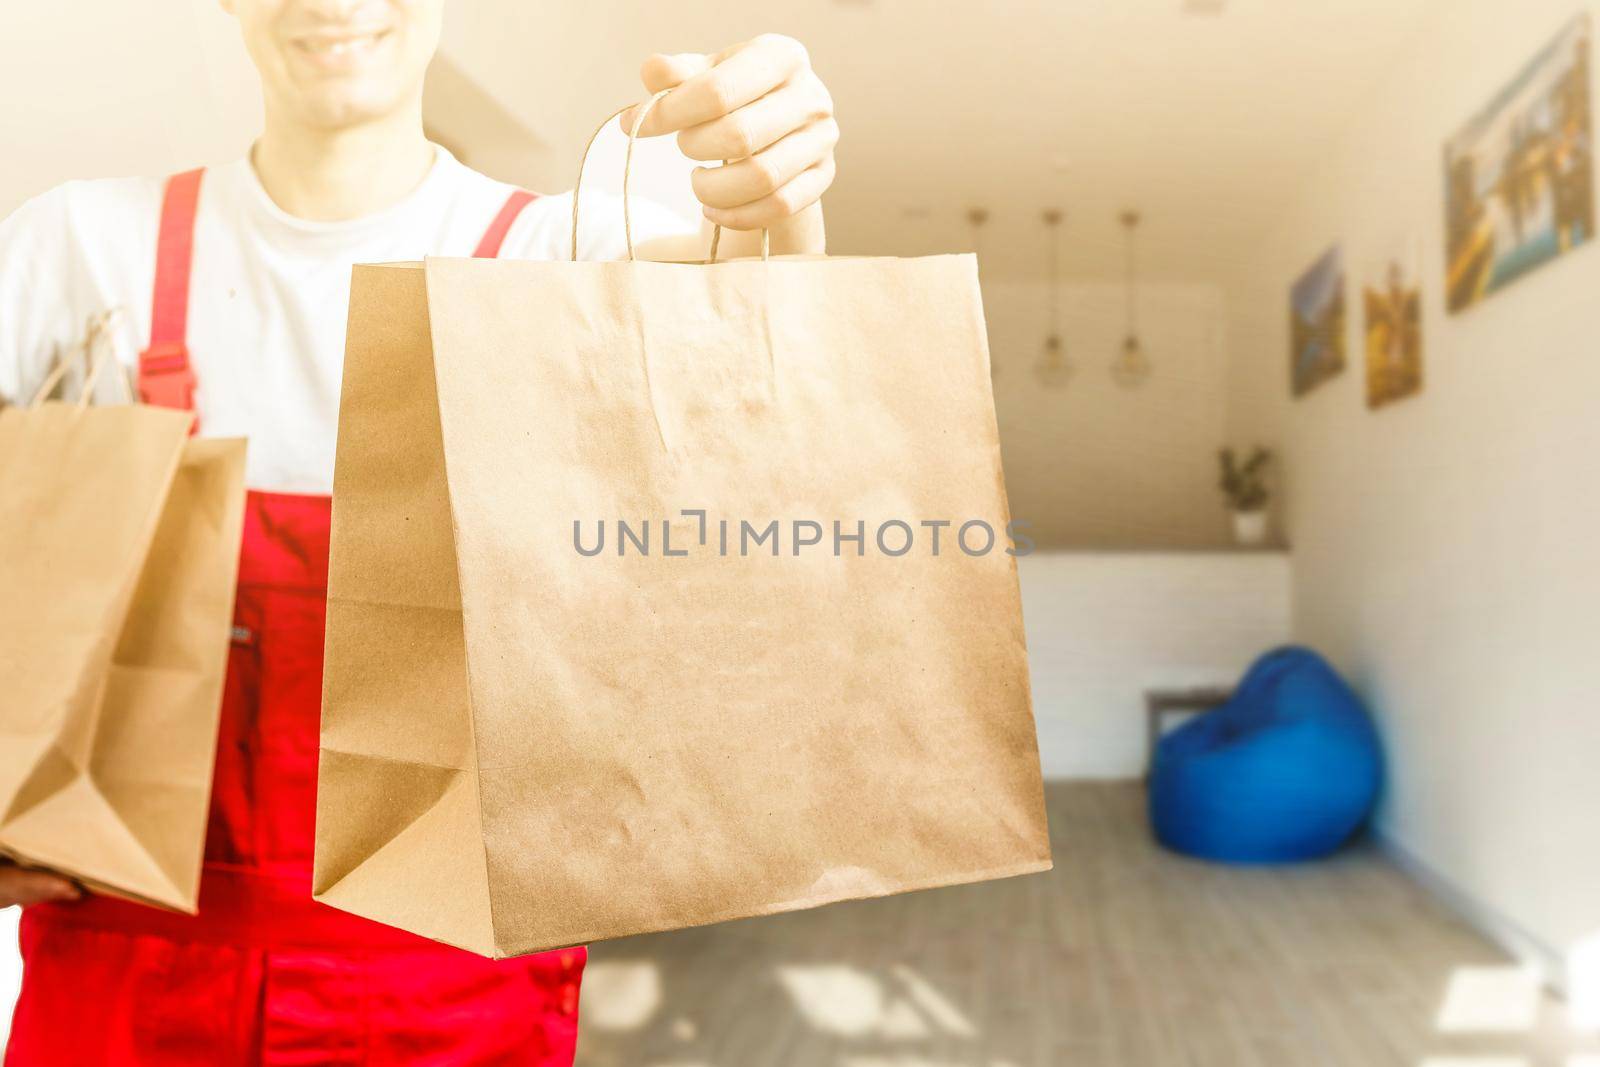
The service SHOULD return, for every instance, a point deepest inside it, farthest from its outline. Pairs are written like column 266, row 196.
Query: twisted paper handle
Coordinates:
column 95, row 351
column 627, row 177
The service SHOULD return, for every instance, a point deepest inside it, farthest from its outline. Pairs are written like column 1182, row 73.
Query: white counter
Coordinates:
column 1105, row 625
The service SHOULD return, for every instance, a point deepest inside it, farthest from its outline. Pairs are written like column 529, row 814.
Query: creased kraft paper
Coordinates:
column 119, row 548
column 525, row 746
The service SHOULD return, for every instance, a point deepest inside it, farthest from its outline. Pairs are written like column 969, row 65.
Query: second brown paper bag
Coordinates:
column 119, row 545
column 528, row 744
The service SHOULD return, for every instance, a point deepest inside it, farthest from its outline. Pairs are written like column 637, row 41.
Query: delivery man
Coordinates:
column 235, row 281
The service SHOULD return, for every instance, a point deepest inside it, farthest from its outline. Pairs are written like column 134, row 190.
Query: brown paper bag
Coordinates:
column 534, row 738
column 119, row 545
column 526, row 746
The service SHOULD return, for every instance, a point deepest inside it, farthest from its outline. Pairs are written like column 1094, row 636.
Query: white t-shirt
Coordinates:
column 268, row 293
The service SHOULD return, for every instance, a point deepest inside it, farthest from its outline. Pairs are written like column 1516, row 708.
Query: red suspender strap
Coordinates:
column 495, row 235
column 165, row 377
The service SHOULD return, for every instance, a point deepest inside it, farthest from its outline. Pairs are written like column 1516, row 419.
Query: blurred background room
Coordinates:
column 1352, row 233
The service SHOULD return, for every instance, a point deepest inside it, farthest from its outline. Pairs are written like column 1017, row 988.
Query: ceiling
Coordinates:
column 1205, row 122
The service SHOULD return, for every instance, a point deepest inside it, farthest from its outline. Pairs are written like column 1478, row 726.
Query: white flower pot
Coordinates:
column 1250, row 527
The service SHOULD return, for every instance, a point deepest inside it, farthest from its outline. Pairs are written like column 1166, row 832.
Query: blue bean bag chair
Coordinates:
column 1288, row 769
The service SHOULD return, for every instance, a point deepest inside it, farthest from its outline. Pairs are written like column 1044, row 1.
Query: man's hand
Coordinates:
column 22, row 885
column 759, row 108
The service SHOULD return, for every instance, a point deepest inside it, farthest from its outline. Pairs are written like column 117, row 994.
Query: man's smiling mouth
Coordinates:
column 341, row 45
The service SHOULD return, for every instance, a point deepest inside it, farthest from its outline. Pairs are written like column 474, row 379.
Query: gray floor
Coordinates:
column 1123, row 955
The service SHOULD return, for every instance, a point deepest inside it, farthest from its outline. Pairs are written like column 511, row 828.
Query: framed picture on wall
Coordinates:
column 1519, row 176
column 1391, row 301
column 1317, row 323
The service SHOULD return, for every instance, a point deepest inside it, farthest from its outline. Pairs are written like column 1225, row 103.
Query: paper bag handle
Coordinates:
column 95, row 352
column 627, row 175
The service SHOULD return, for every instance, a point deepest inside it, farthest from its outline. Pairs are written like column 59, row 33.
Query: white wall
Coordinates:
column 152, row 89
column 1094, row 463
column 1447, row 549
column 1103, row 627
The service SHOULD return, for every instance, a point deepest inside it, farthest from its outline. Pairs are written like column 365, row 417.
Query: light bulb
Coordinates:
column 1053, row 369
column 1130, row 368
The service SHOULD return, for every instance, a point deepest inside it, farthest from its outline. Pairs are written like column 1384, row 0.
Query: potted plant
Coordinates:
column 1244, row 485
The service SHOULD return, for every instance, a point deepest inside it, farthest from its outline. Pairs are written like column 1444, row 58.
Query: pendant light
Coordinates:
column 976, row 218
column 1053, row 368
column 1131, row 366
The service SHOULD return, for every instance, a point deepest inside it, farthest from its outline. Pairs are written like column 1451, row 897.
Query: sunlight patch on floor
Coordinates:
column 934, row 1004
column 847, row 1001
column 1583, row 987
column 620, row 994
column 836, row 998
column 1482, row 1000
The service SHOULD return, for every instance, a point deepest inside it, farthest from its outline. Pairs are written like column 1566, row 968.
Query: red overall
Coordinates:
column 265, row 975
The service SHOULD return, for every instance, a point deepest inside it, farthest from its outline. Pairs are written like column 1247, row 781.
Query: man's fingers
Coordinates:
column 763, row 174
column 19, row 885
column 746, row 74
column 760, row 109
column 670, row 71
column 757, row 125
column 660, row 72
column 806, row 189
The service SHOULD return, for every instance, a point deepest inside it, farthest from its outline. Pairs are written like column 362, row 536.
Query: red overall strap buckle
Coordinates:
column 165, row 377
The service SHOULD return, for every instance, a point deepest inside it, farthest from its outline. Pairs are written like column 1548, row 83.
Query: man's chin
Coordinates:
column 339, row 110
